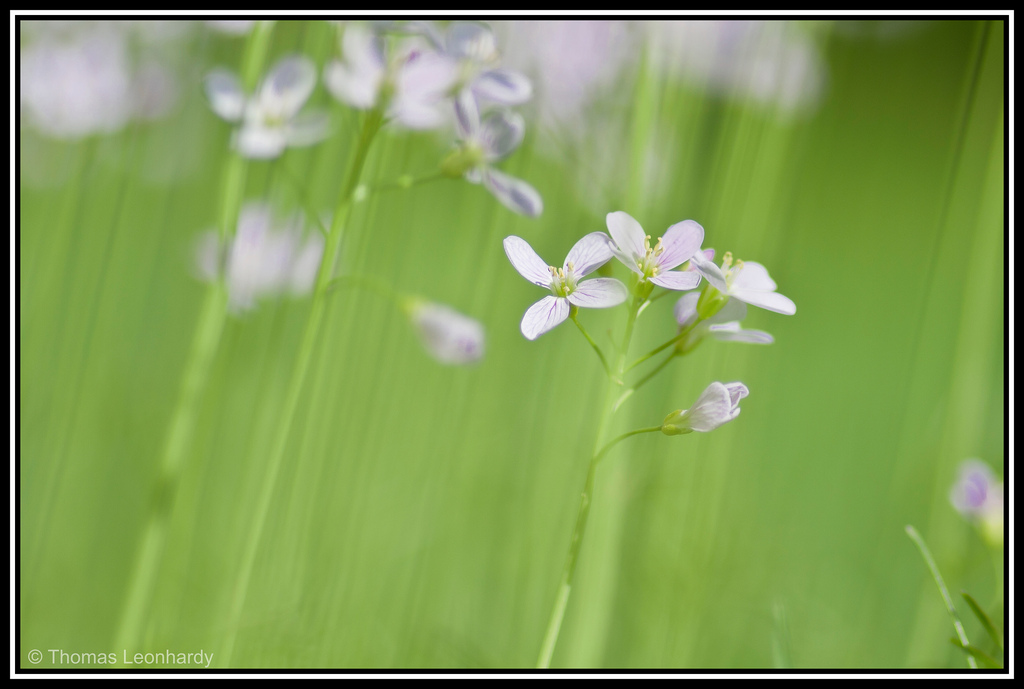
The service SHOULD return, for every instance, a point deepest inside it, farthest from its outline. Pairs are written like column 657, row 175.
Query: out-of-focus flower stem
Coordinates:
column 371, row 125
column 205, row 341
column 569, row 569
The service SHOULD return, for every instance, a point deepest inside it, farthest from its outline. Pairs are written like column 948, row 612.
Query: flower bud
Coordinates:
column 449, row 336
column 718, row 404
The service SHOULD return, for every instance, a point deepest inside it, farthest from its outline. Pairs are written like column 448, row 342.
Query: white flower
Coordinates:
column 270, row 119
column 417, row 82
column 745, row 280
column 266, row 258
column 485, row 142
column 586, row 256
column 655, row 265
column 718, row 404
column 724, row 325
column 978, row 495
column 449, row 336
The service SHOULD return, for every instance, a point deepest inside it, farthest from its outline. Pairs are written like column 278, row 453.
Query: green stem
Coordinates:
column 662, row 347
column 407, row 182
column 654, row 371
column 573, row 314
column 569, row 568
column 930, row 561
column 371, row 125
column 205, row 342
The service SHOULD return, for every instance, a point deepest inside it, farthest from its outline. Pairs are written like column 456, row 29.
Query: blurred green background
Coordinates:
column 422, row 513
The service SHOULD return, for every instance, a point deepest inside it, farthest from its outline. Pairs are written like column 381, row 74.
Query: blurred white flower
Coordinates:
column 473, row 46
column 267, row 257
column 771, row 62
column 485, row 142
column 587, row 255
column 655, row 264
column 448, row 336
column 718, row 404
column 81, row 78
column 270, row 120
column 978, row 496
column 416, row 82
column 745, row 280
column 724, row 325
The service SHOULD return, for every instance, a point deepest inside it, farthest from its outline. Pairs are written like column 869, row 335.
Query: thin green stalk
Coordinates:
column 654, row 371
column 205, row 342
column 573, row 314
column 407, row 182
column 660, row 348
column 569, row 569
column 371, row 125
column 930, row 561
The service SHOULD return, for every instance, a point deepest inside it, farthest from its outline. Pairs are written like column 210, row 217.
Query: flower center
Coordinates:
column 563, row 280
column 649, row 262
column 730, row 270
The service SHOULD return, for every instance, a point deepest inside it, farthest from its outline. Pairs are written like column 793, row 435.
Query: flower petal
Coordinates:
column 599, row 293
column 732, row 332
column 685, row 309
column 516, row 194
column 713, row 408
column 357, row 88
column 628, row 235
column 224, row 92
column 773, row 301
column 255, row 141
column 503, row 86
column 288, row 86
column 677, row 279
column 501, row 132
column 543, row 316
column 308, row 128
column 467, row 115
column 734, row 310
column 710, row 271
column 589, row 253
column 737, row 391
column 680, row 241
column 525, row 260
column 752, row 276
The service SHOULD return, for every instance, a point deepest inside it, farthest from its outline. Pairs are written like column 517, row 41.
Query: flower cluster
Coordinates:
column 716, row 311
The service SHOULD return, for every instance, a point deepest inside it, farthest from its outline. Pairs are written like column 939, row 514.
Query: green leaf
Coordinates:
column 973, row 651
column 984, row 619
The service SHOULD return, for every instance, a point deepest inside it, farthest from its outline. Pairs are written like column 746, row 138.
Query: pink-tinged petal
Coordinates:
column 732, row 332
column 543, row 316
column 501, row 132
column 503, row 86
column 685, row 309
column 224, row 92
column 449, row 336
column 467, row 115
column 710, row 271
column 255, row 141
column 737, row 391
column 680, row 241
column 525, row 260
column 514, row 193
column 708, row 255
column 629, row 237
column 677, row 279
column 288, row 86
column 599, row 293
column 589, row 253
column 773, row 301
column 752, row 276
